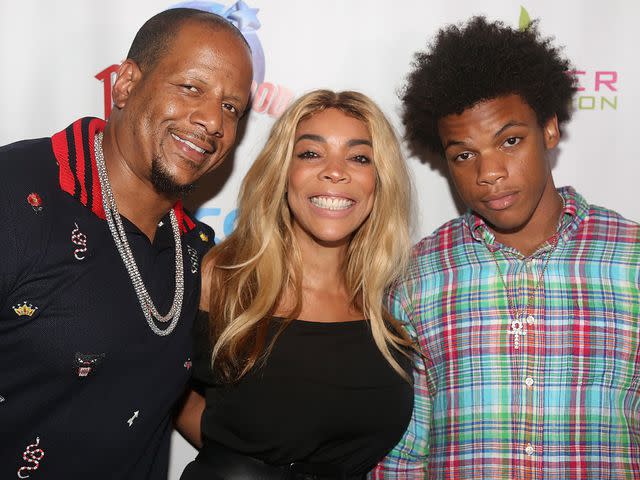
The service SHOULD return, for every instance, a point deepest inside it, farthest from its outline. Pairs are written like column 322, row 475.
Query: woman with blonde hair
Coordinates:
column 303, row 370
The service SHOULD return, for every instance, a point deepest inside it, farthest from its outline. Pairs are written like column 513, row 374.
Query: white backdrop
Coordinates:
column 51, row 52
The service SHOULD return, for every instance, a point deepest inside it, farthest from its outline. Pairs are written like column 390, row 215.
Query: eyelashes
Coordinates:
column 510, row 142
column 307, row 154
column 310, row 154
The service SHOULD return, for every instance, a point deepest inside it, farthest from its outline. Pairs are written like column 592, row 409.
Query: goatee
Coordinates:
column 164, row 183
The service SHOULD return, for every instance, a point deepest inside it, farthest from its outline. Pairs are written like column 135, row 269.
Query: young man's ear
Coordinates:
column 127, row 76
column 551, row 132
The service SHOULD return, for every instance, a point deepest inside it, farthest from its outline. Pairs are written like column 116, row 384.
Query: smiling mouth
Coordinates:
column 191, row 145
column 332, row 203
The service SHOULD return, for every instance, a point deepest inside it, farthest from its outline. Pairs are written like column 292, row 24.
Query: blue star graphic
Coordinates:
column 243, row 17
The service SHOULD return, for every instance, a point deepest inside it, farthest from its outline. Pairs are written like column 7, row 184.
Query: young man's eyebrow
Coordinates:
column 453, row 143
column 509, row 124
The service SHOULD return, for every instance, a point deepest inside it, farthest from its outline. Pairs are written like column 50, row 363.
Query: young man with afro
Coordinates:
column 527, row 307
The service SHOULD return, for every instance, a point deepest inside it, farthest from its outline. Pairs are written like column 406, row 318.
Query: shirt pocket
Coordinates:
column 604, row 346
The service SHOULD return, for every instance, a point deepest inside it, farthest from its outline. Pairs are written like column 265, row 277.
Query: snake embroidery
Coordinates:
column 80, row 239
column 31, row 455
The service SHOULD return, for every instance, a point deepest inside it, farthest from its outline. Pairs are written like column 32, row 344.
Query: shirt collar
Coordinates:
column 73, row 148
column 574, row 211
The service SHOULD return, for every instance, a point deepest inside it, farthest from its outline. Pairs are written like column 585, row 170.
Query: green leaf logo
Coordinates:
column 525, row 20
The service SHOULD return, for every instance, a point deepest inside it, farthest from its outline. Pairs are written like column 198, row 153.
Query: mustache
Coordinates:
column 200, row 139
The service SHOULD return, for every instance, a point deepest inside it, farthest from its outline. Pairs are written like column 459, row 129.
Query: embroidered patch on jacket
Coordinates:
column 79, row 239
column 193, row 258
column 24, row 309
column 203, row 236
column 133, row 417
column 33, row 454
column 188, row 364
column 86, row 363
column 35, row 201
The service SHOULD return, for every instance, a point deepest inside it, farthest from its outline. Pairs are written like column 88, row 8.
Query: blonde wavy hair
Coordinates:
column 251, row 270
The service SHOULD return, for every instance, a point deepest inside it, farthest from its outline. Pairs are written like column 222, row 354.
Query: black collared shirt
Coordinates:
column 87, row 390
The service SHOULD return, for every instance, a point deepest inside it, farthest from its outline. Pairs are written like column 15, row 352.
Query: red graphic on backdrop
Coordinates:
column 597, row 89
column 105, row 77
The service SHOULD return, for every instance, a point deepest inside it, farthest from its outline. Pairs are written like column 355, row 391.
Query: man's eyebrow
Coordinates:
column 501, row 130
column 196, row 77
column 235, row 98
column 451, row 143
column 509, row 124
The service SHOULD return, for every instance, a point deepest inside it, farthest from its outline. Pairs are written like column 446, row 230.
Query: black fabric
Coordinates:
column 218, row 462
column 325, row 395
column 75, row 372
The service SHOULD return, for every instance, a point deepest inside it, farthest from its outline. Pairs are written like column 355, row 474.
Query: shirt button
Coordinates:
column 529, row 450
column 528, row 381
column 531, row 319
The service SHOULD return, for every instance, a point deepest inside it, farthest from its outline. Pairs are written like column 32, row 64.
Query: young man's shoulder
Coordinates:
column 440, row 249
column 449, row 235
column 606, row 225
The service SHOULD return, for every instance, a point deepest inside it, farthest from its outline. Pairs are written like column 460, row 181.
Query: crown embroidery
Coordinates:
column 25, row 308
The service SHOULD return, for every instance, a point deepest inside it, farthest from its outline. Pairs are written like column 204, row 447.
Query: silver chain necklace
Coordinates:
column 122, row 244
column 517, row 327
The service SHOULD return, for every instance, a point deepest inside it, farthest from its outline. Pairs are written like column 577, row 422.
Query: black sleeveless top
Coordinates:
column 324, row 395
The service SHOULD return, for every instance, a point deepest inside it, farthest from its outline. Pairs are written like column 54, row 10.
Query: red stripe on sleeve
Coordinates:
column 61, row 151
column 77, row 133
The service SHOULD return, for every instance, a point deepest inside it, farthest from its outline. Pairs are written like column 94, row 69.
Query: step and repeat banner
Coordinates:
column 58, row 60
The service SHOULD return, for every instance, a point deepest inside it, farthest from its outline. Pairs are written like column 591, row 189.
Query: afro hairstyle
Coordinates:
column 479, row 61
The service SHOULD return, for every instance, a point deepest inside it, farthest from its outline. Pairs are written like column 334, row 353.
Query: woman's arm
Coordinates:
column 189, row 416
column 187, row 420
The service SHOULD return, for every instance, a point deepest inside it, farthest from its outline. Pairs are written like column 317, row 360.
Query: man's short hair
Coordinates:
column 154, row 38
column 478, row 61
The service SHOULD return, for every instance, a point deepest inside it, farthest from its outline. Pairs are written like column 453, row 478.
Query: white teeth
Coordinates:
column 188, row 143
column 332, row 203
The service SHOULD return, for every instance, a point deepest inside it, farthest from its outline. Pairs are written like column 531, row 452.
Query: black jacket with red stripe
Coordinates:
column 87, row 390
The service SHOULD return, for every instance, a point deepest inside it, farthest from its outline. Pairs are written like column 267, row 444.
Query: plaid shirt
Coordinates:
column 565, row 404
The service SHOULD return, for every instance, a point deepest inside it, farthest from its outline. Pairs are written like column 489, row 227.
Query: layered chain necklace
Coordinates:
column 518, row 318
column 122, row 244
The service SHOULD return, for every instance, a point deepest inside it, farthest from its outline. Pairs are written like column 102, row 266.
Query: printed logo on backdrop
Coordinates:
column 597, row 87
column 268, row 98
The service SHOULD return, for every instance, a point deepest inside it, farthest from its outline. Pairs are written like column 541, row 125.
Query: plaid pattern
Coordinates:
column 566, row 403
